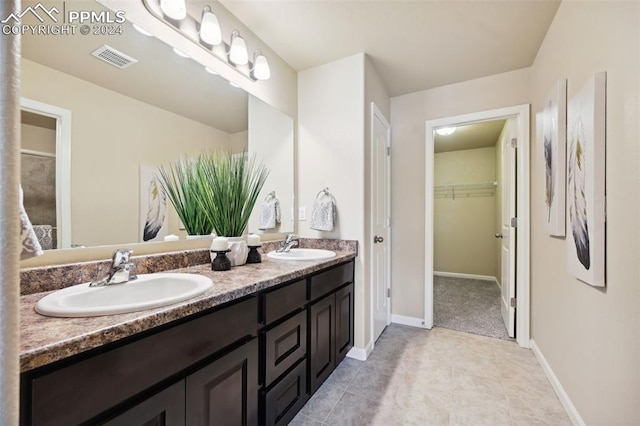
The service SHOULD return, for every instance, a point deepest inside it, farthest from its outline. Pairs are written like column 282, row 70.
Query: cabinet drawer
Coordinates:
column 284, row 344
column 287, row 397
column 165, row 408
column 327, row 281
column 278, row 303
column 80, row 391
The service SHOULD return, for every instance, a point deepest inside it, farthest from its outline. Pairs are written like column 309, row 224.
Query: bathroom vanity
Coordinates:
column 251, row 351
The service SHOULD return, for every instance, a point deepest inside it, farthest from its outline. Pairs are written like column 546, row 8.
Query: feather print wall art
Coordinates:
column 554, row 143
column 156, row 212
column 154, row 216
column 586, row 182
column 577, row 198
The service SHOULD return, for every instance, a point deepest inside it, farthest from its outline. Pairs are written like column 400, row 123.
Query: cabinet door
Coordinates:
column 322, row 337
column 225, row 392
column 344, row 322
column 166, row 408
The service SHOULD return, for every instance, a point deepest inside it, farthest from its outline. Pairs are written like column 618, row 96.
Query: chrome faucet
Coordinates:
column 288, row 242
column 122, row 270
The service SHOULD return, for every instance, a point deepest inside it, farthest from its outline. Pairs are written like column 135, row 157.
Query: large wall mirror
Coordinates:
column 126, row 121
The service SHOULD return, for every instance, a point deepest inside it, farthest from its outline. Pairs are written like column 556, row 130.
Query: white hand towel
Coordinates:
column 30, row 245
column 323, row 216
column 269, row 213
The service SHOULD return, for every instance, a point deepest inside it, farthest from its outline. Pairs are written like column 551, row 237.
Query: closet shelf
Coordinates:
column 463, row 190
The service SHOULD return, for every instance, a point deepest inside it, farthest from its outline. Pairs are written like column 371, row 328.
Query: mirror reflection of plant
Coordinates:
column 183, row 184
column 235, row 181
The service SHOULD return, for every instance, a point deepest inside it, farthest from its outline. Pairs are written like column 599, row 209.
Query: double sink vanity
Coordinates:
column 250, row 350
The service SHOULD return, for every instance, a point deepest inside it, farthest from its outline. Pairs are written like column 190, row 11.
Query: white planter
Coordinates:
column 239, row 251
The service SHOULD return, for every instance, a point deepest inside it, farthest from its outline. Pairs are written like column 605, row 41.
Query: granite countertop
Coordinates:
column 44, row 340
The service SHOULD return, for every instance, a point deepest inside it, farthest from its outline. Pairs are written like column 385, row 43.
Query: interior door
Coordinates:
column 508, row 232
column 380, row 220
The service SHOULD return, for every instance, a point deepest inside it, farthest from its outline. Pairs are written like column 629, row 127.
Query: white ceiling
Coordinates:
column 414, row 45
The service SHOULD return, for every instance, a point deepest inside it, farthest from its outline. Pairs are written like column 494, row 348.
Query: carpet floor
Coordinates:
column 468, row 305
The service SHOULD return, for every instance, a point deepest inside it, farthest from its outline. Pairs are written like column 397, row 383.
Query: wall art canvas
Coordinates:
column 554, row 147
column 154, row 216
column 586, row 217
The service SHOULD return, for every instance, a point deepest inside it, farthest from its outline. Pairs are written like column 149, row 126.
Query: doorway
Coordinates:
column 517, row 312
column 39, row 118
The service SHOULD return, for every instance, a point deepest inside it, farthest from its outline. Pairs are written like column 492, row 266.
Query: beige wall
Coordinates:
column 408, row 116
column 591, row 337
column 464, row 227
column 38, row 138
column 111, row 136
column 331, row 154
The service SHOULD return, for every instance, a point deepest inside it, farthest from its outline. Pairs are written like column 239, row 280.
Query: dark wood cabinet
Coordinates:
column 330, row 324
column 344, row 322
column 225, row 392
column 166, row 408
column 322, row 333
column 252, row 361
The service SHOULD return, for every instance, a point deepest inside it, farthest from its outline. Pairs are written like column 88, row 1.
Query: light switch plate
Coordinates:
column 302, row 213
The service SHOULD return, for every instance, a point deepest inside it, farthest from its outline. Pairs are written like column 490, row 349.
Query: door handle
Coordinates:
column 498, row 236
column 377, row 239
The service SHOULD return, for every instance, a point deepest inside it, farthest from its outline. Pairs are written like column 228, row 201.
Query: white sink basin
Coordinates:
column 302, row 254
column 146, row 292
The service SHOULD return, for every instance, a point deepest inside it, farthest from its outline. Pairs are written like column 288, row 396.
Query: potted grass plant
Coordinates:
column 216, row 192
column 182, row 182
column 233, row 183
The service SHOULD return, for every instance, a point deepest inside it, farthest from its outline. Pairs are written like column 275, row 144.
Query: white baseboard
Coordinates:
column 571, row 410
column 361, row 354
column 468, row 276
column 410, row 321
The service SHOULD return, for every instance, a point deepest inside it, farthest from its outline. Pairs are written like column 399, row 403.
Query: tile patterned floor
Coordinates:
column 437, row 377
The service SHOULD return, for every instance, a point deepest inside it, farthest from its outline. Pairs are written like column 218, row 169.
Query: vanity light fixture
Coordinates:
column 238, row 54
column 234, row 84
column 141, row 30
column 260, row 68
column 210, row 31
column 445, row 131
column 180, row 53
column 174, row 9
column 210, row 71
column 205, row 31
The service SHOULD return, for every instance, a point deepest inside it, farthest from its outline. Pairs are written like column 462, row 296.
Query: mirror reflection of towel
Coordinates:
column 270, row 214
column 323, row 216
column 30, row 245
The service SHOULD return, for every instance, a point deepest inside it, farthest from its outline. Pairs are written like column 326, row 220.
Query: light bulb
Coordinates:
column 174, row 9
column 210, row 27
column 180, row 53
column 210, row 71
column 445, row 131
column 141, row 30
column 261, row 70
column 238, row 51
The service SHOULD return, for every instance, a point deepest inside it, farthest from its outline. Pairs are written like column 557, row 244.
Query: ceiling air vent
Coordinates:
column 114, row 57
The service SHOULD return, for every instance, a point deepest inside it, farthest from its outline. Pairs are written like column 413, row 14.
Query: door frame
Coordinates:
column 377, row 114
column 63, row 164
column 522, row 113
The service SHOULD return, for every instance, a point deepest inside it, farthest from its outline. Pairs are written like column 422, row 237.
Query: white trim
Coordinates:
column 36, row 153
column 376, row 113
column 410, row 321
column 63, row 164
column 466, row 276
column 571, row 409
column 522, row 112
column 361, row 353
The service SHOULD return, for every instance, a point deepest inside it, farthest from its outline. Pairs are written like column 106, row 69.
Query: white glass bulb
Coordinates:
column 174, row 9
column 142, row 31
column 238, row 50
column 210, row 29
column 180, row 53
column 210, row 71
column 445, row 131
column 261, row 70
